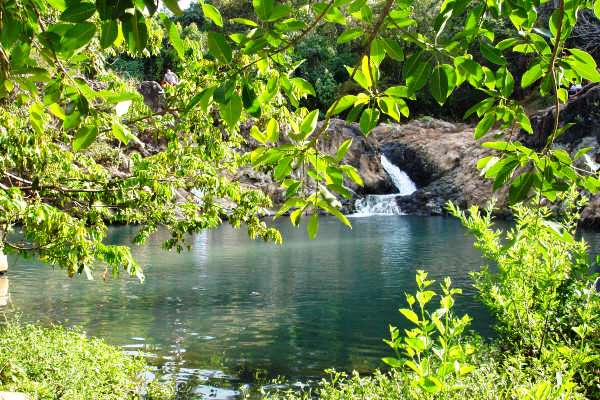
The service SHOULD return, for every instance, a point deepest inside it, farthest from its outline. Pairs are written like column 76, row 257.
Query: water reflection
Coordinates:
column 231, row 307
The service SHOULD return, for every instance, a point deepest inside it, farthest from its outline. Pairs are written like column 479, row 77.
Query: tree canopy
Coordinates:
column 238, row 82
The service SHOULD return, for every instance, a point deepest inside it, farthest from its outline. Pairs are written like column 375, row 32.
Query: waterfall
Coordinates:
column 385, row 204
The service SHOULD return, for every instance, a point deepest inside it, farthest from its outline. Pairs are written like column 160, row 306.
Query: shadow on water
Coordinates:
column 234, row 311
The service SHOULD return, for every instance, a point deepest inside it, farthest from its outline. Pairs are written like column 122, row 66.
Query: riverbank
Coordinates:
column 54, row 362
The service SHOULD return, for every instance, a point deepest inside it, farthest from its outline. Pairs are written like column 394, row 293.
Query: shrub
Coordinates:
column 55, row 362
column 539, row 287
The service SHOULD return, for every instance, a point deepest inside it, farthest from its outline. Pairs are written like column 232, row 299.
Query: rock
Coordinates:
column 154, row 96
column 364, row 154
column 440, row 158
column 14, row 396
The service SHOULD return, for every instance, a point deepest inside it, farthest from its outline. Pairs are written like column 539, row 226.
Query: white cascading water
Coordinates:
column 385, row 204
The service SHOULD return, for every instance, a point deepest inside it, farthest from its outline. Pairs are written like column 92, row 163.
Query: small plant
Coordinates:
column 435, row 350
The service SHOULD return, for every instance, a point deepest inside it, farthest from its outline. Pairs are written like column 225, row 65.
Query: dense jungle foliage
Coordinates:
column 278, row 72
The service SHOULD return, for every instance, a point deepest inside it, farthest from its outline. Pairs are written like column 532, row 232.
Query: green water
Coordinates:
column 231, row 306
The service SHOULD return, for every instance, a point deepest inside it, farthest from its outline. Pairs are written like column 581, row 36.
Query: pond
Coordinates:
column 231, row 309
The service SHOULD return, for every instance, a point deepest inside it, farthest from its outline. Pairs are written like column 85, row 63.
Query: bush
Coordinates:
column 54, row 362
column 539, row 287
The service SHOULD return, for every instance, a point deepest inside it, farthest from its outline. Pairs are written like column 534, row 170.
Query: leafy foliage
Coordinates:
column 50, row 363
column 231, row 81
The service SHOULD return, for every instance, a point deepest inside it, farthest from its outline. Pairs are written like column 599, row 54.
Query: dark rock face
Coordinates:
column 583, row 110
column 440, row 158
column 154, row 96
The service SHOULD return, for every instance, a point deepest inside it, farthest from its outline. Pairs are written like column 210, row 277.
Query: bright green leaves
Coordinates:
column 342, row 104
column 85, row 137
column 303, row 87
column 416, row 71
column 530, row 76
column 505, row 82
column 110, row 31
column 77, row 36
column 584, row 64
column 484, row 125
column 433, row 352
column 269, row 11
column 491, row 53
column 219, row 48
column 231, row 111
column 135, row 31
column 250, row 101
column 78, row 12
column 368, row 120
column 349, row 35
column 173, row 6
column 313, row 226
column 597, row 8
column 263, row 8
column 308, row 125
column 440, row 83
column 174, row 37
column 212, row 13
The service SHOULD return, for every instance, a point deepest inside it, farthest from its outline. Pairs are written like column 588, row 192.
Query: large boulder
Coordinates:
column 440, row 157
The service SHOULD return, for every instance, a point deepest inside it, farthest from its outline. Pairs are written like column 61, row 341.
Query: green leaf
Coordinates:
column 484, row 125
column 219, row 48
column 121, row 132
column 343, row 149
column 78, row 12
column 491, row 53
column 110, row 30
column 84, row 137
column 349, row 35
column 309, row 123
column 438, row 85
column 173, row 5
column 416, row 72
column 410, row 315
column 313, row 226
column 244, row 21
column 212, row 13
column 263, row 8
column 584, row 64
column 176, row 41
column 392, row 362
column 303, row 86
column 272, row 131
column 520, row 188
column 280, row 11
column 597, row 8
column 77, row 36
column 201, row 98
column 368, row 120
column 135, row 31
column 415, row 343
column 232, row 110
column 250, row 101
column 60, row 5
column 531, row 75
column 344, row 103
column 353, row 174
column 393, row 49
column 505, row 81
